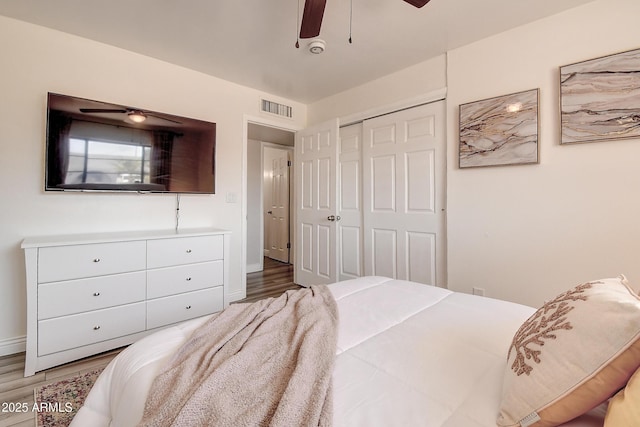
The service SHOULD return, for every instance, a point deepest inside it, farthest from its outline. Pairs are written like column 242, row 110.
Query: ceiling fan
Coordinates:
column 137, row 116
column 314, row 11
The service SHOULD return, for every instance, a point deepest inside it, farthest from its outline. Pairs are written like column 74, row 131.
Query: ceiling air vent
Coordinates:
column 275, row 108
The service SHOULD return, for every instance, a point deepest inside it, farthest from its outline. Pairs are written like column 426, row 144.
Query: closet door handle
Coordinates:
column 331, row 217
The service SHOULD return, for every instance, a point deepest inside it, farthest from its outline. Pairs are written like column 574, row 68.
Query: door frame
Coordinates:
column 266, row 122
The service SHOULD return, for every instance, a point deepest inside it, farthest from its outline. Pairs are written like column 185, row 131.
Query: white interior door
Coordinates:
column 350, row 239
column 404, row 195
column 316, row 204
column 276, row 191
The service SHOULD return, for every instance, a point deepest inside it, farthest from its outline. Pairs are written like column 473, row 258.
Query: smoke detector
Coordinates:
column 317, row 46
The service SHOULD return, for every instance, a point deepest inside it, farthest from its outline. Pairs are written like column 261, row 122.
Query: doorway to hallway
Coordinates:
column 268, row 209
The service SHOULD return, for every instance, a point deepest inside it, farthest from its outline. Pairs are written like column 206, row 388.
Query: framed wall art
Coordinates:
column 499, row 131
column 600, row 98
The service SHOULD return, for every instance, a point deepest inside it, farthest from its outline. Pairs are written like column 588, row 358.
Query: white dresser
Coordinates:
column 91, row 293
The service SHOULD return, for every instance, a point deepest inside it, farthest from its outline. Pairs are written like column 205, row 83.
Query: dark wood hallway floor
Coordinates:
column 273, row 280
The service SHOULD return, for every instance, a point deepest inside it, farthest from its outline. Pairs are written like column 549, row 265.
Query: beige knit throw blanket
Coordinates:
column 268, row 363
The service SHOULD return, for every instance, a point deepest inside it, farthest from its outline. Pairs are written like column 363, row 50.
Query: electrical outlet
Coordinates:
column 478, row 291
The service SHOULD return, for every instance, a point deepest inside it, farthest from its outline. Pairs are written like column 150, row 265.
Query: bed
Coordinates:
column 407, row 355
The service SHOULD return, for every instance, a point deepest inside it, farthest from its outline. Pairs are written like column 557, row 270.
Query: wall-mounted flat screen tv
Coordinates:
column 98, row 146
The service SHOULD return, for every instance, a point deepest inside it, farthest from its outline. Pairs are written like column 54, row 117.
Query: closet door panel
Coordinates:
column 420, row 181
column 421, row 247
column 383, row 183
column 350, row 239
column 350, row 252
column 404, row 194
column 384, row 250
column 316, row 203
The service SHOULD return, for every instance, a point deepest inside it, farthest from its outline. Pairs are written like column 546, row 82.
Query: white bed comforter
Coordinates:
column 408, row 355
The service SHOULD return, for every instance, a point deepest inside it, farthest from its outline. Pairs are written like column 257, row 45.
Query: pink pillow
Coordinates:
column 624, row 407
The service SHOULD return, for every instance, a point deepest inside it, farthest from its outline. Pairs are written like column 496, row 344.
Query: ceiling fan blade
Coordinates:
column 417, row 3
column 312, row 18
column 163, row 118
column 102, row 110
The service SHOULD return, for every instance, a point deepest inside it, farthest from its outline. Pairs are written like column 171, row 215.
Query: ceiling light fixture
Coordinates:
column 137, row 116
column 317, row 46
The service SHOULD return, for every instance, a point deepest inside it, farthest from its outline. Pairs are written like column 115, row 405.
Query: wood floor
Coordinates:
column 275, row 279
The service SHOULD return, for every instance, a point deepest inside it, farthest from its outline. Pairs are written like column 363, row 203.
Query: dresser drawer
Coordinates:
column 63, row 333
column 173, row 309
column 184, row 250
column 75, row 296
column 78, row 261
column 166, row 281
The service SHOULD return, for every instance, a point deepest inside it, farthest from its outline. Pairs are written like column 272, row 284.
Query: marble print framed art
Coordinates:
column 600, row 98
column 499, row 131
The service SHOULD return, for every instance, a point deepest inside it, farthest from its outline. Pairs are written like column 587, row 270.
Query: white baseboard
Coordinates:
column 252, row 268
column 13, row 345
column 236, row 296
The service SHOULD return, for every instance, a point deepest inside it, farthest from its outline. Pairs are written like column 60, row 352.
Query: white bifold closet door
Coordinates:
column 350, row 235
column 370, row 198
column 403, row 199
column 316, row 161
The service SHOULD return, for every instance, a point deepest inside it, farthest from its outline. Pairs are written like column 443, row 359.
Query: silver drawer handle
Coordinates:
column 96, row 294
column 95, row 328
column 188, row 251
column 188, row 307
column 96, row 260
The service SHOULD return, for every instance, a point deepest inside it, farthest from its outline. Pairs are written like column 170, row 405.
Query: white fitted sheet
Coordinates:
column 408, row 355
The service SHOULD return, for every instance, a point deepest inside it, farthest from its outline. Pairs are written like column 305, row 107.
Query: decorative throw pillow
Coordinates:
column 624, row 407
column 572, row 354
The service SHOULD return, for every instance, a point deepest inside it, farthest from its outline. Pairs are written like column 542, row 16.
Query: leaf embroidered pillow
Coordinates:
column 572, row 354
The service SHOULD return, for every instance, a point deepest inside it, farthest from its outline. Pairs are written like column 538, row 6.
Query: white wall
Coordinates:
column 35, row 61
column 526, row 233
column 409, row 83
